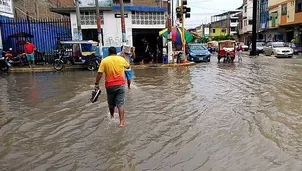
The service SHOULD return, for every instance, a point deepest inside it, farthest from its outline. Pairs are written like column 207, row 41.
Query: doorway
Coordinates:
column 91, row 34
column 155, row 44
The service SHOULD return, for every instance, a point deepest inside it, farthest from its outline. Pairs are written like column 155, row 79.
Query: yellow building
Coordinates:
column 218, row 31
column 286, row 15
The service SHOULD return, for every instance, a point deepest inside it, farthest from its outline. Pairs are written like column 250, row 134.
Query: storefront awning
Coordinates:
column 68, row 10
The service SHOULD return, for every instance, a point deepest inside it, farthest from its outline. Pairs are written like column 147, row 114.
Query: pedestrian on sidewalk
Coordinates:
column 129, row 55
column 29, row 49
column 113, row 67
column 239, row 52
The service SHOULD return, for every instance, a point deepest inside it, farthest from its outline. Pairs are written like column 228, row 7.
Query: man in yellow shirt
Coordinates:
column 114, row 68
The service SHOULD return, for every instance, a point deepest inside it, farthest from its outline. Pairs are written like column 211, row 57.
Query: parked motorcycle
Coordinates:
column 4, row 64
column 19, row 60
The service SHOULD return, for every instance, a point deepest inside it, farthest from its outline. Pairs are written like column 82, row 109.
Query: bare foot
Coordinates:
column 122, row 124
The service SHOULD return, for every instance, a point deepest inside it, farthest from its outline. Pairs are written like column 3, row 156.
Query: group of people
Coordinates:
column 29, row 51
column 118, row 72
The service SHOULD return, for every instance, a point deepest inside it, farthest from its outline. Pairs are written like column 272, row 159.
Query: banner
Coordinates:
column 6, row 8
column 206, row 32
column 91, row 3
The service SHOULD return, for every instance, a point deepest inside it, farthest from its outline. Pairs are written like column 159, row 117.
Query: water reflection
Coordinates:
column 241, row 116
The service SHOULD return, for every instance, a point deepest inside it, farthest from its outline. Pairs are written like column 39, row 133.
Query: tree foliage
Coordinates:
column 216, row 38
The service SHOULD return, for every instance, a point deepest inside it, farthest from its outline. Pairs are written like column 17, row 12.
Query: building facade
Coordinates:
column 39, row 9
column 225, row 24
column 264, row 18
column 6, row 11
column 143, row 19
column 246, row 18
column 280, row 20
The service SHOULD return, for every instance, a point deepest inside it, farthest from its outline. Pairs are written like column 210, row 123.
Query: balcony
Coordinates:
column 234, row 24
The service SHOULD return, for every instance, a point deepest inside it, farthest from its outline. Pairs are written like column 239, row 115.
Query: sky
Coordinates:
column 202, row 10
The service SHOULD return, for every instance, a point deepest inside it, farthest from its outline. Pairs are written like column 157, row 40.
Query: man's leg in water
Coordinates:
column 128, row 75
column 111, row 100
column 119, row 101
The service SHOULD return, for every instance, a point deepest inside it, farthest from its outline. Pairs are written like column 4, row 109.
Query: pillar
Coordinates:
column 297, row 34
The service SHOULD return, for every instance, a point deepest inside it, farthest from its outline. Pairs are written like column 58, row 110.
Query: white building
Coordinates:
column 234, row 23
column 245, row 31
column 141, row 22
column 6, row 11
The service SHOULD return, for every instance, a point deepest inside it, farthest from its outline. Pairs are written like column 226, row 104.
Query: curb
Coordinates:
column 179, row 65
column 51, row 69
column 41, row 69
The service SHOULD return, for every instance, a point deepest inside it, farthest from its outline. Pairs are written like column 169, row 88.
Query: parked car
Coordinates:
column 295, row 46
column 259, row 47
column 244, row 47
column 198, row 53
column 278, row 49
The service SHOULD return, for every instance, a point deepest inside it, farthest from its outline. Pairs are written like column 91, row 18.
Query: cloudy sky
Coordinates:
column 202, row 10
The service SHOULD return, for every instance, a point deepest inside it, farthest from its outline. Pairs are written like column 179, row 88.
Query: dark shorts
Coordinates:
column 116, row 96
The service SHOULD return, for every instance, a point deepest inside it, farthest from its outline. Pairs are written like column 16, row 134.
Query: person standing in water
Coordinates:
column 29, row 49
column 129, row 56
column 114, row 67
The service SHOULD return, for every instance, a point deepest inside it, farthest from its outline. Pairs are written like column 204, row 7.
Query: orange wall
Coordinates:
column 283, row 19
column 298, row 17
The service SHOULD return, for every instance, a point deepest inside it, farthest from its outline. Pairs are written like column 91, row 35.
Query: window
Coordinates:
column 148, row 18
column 233, row 20
column 213, row 30
column 245, row 8
column 250, row 22
column 298, row 6
column 284, row 10
column 233, row 28
column 125, row 1
column 245, row 22
column 89, row 18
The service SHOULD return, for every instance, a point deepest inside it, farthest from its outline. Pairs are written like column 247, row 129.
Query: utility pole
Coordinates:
column 78, row 19
column 172, row 13
column 124, row 41
column 228, row 24
column 99, row 26
column 254, row 33
column 183, row 32
column 169, row 43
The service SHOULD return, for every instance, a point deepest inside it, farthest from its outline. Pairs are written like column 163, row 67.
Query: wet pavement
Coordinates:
column 219, row 117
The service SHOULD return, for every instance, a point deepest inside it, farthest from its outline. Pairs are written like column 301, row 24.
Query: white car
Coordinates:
column 278, row 49
column 244, row 47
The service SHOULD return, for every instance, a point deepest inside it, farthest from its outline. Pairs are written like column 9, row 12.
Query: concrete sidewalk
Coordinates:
column 49, row 68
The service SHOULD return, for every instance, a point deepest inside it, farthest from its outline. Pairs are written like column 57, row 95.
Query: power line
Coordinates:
column 199, row 2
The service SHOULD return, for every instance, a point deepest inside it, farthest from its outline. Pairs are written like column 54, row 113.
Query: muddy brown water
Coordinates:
column 219, row 117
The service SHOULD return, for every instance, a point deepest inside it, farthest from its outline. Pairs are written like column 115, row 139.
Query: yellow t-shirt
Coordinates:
column 114, row 69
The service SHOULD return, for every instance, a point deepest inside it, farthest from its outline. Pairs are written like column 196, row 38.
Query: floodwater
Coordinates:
column 219, row 117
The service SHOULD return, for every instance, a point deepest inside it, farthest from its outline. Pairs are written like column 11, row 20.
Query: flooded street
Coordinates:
column 209, row 117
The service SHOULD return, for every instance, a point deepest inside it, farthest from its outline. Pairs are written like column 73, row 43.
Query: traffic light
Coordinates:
column 186, row 10
column 179, row 12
